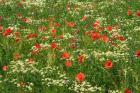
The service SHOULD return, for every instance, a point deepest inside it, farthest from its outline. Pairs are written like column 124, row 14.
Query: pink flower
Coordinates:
column 5, row 68
column 1, row 28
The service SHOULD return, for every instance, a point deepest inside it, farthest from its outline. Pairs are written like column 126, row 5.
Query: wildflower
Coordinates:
column 17, row 33
column 26, row 20
column 30, row 36
column 71, row 24
column 37, row 46
column 53, row 32
column 96, row 24
column 7, row 32
column 65, row 55
column 137, row 53
column 80, row 76
column 1, row 28
column 57, row 25
column 138, row 13
column 108, row 64
column 17, row 39
column 127, row 91
column 44, row 38
column 81, row 58
column 5, row 68
column 54, row 45
column 30, row 61
column 61, row 37
column 68, row 64
column 16, row 56
column 121, row 38
column 22, row 84
column 129, row 12
column 105, row 38
column 95, row 35
column 42, row 28
column 84, row 18
column 109, row 28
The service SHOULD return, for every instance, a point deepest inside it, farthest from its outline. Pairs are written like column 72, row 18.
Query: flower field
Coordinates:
column 69, row 46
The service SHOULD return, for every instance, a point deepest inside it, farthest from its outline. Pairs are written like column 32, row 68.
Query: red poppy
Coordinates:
column 121, row 38
column 65, row 55
column 7, row 32
column 16, row 56
column 109, row 28
column 57, row 25
column 5, row 68
column 53, row 31
column 96, row 24
column 61, row 37
column 71, row 24
column 68, row 64
column 81, row 58
column 54, row 45
column 129, row 12
column 84, row 18
column 38, row 46
column 137, row 53
column 95, row 35
column 105, row 38
column 138, row 13
column 30, row 36
column 108, row 64
column 80, row 76
column 17, row 39
column 127, row 91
